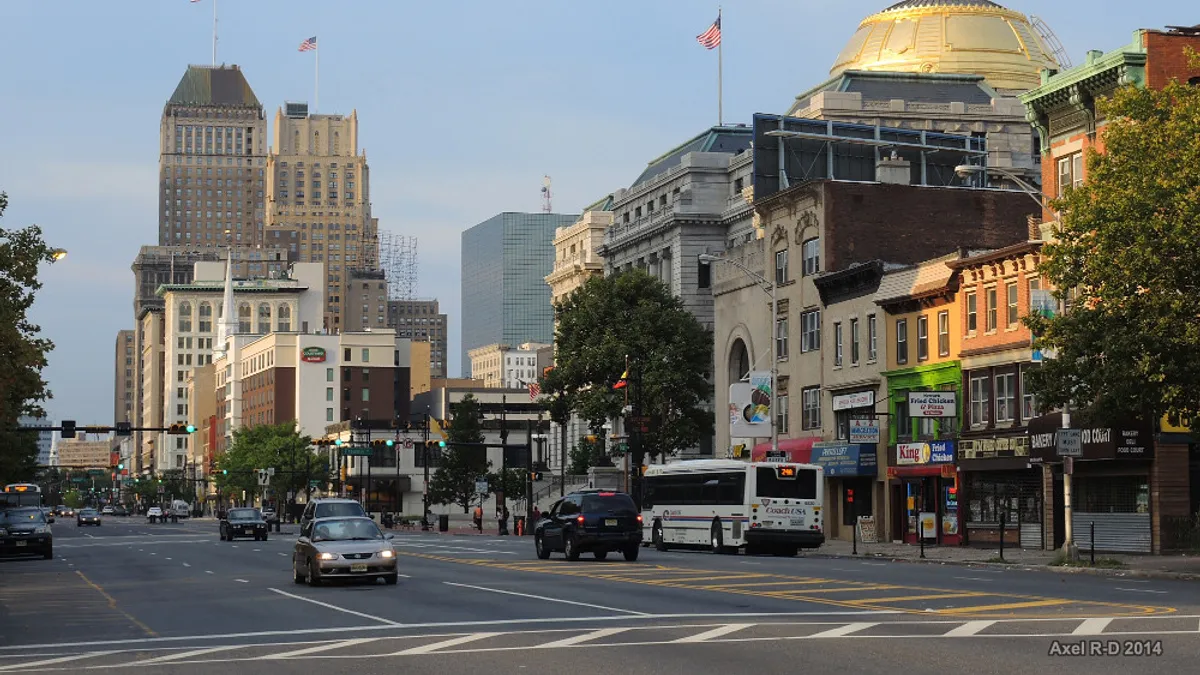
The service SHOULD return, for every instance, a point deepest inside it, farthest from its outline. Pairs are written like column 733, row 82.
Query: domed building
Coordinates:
column 950, row 36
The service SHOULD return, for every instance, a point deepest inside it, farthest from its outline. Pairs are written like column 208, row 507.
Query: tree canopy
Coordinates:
column 22, row 389
column 279, row 446
column 670, row 354
column 1127, row 257
column 454, row 480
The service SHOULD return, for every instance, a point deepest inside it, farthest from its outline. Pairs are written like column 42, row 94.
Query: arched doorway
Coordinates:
column 739, row 361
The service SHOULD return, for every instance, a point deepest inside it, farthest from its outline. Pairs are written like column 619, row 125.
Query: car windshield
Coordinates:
column 615, row 503
column 347, row 529
column 22, row 517
column 87, row 512
column 243, row 514
column 340, row 510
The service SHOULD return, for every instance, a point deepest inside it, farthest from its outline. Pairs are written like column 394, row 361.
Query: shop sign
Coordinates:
column 933, row 404
column 1128, row 441
column 313, row 355
column 994, row 448
column 841, row 459
column 935, row 452
column 864, row 430
column 859, row 399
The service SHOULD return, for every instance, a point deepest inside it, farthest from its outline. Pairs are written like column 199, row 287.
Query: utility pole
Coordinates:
column 503, row 453
column 425, row 461
column 636, row 450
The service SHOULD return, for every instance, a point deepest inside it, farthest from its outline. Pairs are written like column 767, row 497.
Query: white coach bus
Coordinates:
column 724, row 505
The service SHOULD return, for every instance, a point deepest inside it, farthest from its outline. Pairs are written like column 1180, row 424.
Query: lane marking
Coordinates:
column 50, row 662
column 404, row 576
column 974, row 579
column 935, row 596
column 1009, row 605
column 851, row 589
column 208, row 571
column 968, row 629
column 168, row 558
column 112, row 604
column 1091, row 627
column 710, row 577
column 547, row 599
column 335, row 607
column 1140, row 590
column 714, row 633
column 426, row 649
column 242, row 581
column 585, row 637
column 186, row 565
column 330, row 646
column 842, row 631
column 187, row 655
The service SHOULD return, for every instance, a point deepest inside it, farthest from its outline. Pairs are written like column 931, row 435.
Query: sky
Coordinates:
column 464, row 105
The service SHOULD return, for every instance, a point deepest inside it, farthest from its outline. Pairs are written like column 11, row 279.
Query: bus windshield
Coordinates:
column 803, row 486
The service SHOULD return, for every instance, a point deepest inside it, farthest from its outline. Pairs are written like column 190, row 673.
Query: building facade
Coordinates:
column 45, row 439
column 124, row 377
column 422, row 321
column 366, row 305
column 151, row 387
column 507, row 367
column 505, row 299
column 576, row 251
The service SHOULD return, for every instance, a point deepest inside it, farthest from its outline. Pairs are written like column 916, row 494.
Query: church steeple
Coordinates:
column 227, row 325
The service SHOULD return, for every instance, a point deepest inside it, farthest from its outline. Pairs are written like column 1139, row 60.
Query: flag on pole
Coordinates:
column 535, row 390
column 309, row 45
column 711, row 38
column 623, row 382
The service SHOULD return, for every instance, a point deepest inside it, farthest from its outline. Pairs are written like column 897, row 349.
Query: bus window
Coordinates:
column 803, row 486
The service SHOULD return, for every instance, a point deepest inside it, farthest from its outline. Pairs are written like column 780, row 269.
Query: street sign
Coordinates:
column 96, row 472
column 78, row 480
column 264, row 478
column 481, row 486
column 1068, row 442
column 356, row 451
column 162, row 489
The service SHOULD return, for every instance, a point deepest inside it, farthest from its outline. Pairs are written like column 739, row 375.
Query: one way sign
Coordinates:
column 264, row 478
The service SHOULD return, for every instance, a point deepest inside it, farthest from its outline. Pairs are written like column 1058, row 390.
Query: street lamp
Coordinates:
column 967, row 170
column 58, row 253
column 770, row 288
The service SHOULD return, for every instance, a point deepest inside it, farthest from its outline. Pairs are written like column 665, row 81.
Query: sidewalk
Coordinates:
column 1108, row 564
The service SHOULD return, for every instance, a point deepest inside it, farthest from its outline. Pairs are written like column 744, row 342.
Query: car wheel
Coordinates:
column 297, row 577
column 570, row 546
column 631, row 553
column 392, row 578
column 600, row 555
column 264, row 537
column 542, row 551
column 314, row 577
column 657, row 535
column 49, row 554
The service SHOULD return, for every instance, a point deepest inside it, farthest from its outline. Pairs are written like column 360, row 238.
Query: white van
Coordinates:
column 180, row 509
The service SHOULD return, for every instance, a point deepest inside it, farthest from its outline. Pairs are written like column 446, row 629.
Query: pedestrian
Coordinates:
column 537, row 514
column 479, row 517
column 504, row 520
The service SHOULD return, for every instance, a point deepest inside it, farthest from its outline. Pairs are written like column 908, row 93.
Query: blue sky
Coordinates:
column 463, row 107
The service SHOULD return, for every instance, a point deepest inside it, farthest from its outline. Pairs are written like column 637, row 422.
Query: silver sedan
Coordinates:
column 343, row 548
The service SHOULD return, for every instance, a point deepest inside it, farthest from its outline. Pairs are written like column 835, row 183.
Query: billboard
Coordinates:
column 750, row 407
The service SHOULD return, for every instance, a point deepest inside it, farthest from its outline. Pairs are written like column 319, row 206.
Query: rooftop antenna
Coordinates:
column 546, row 204
column 1051, row 41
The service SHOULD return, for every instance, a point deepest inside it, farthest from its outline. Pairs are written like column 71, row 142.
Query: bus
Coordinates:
column 725, row 505
column 21, row 494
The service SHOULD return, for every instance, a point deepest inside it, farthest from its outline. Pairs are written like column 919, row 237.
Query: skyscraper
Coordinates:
column 505, row 299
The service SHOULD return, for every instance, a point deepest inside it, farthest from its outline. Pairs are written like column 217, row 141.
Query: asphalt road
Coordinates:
column 173, row 597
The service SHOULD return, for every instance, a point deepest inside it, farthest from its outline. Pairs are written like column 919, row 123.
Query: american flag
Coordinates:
column 309, row 44
column 711, row 38
column 535, row 390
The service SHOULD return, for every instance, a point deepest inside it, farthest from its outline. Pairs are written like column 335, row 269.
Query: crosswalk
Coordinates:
column 377, row 646
column 862, row 595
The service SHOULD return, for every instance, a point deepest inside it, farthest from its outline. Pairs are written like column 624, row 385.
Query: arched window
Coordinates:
column 185, row 317
column 244, row 318
column 739, row 361
column 264, row 319
column 205, row 317
column 283, row 319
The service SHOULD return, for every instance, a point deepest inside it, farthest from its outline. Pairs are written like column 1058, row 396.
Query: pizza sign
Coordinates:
column 932, row 404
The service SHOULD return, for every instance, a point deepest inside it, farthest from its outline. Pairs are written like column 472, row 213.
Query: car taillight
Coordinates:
column 579, row 520
column 639, row 517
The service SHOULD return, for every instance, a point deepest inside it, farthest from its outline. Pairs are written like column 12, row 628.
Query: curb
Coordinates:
column 1024, row 567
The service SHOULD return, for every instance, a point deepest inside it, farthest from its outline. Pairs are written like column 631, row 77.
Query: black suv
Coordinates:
column 243, row 522
column 590, row 520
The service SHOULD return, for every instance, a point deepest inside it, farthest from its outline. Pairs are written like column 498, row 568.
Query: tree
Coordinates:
column 270, row 446
column 1127, row 256
column 454, row 480
column 509, row 482
column 22, row 389
column 670, row 354
column 587, row 453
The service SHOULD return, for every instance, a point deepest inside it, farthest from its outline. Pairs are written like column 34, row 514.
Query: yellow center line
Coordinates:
column 710, row 577
column 850, row 589
column 906, row 598
column 112, row 603
column 1012, row 605
column 757, row 584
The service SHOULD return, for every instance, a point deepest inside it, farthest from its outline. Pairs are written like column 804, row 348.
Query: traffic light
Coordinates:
column 68, row 429
column 224, row 472
column 849, row 496
column 536, row 475
column 121, row 466
column 181, row 429
column 383, row 443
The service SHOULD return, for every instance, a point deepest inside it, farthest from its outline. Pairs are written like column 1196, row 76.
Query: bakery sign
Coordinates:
column 933, row 404
column 313, row 355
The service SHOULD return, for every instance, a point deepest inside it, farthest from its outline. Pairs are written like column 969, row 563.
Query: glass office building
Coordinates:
column 505, row 298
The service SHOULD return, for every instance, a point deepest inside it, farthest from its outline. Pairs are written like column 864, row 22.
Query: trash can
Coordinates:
column 519, row 525
column 444, row 523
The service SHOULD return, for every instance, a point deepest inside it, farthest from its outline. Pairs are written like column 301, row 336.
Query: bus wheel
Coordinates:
column 717, row 537
column 657, row 536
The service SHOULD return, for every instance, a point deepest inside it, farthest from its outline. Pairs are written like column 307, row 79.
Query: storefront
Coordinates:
column 850, row 477
column 1000, row 486
column 923, row 484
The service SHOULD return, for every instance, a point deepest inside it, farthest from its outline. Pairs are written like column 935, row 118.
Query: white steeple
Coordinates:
column 227, row 325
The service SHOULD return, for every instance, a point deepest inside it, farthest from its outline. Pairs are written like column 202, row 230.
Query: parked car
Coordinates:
column 119, row 510
column 343, row 548
column 154, row 513
column 590, row 520
column 24, row 531
column 244, row 522
column 108, row 510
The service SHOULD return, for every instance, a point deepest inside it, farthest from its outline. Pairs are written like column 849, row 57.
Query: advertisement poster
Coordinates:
column 750, row 407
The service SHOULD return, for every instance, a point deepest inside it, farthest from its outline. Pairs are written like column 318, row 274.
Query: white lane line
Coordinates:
column 335, row 607
column 284, row 554
column 585, row 637
column 714, row 633
column 208, row 571
column 153, row 553
column 257, row 550
column 547, row 599
column 974, row 579
column 186, row 655
column 1141, row 590
column 875, row 564
column 842, row 631
column 405, row 576
column 242, row 581
column 749, row 562
column 50, row 662
column 1091, row 627
column 968, row 629
column 88, row 535
column 320, row 648
column 453, row 642
column 169, row 558
column 186, row 565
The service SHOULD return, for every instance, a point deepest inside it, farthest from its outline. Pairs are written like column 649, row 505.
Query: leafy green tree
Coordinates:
column 511, row 482
column 73, row 498
column 634, row 315
column 454, row 480
column 265, row 446
column 22, row 389
column 1127, row 256
column 586, row 454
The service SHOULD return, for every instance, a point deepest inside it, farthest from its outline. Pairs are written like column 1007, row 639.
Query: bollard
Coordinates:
column 854, row 538
column 1002, row 514
column 1093, row 543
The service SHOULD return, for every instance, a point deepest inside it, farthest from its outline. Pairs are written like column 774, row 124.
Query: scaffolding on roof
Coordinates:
column 398, row 260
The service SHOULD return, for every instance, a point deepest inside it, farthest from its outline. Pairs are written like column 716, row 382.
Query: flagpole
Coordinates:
column 720, row 72
column 317, row 77
column 214, row 33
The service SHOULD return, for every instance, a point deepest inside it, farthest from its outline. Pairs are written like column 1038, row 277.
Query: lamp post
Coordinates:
column 772, row 290
column 966, row 170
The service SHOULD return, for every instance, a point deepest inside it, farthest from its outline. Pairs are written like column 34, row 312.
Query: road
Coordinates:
column 174, row 598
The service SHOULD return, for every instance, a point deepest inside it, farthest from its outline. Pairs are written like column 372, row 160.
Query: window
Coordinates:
column 781, row 338
column 366, row 394
column 185, row 317
column 1006, row 397
column 328, row 393
column 837, row 344
column 366, row 354
column 944, row 333
column 703, row 275
column 979, row 400
column 205, row 317
column 329, row 414
column 329, row 374
column 922, row 338
column 902, row 341
column 1011, row 291
column 283, row 320
column 781, row 414
column 854, row 342
column 244, row 319
column 264, row 318
column 1070, row 172
column 810, row 402
column 811, row 250
column 972, row 312
column 872, row 339
column 1028, row 400
column 781, row 267
column 991, row 309
column 810, row 331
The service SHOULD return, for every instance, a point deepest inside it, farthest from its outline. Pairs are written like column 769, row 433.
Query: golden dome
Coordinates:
column 950, row 36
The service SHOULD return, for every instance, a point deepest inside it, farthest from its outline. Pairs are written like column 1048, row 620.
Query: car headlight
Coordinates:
column 387, row 553
column 41, row 530
column 327, row 556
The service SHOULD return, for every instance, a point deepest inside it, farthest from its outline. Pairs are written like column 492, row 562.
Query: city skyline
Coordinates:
column 90, row 181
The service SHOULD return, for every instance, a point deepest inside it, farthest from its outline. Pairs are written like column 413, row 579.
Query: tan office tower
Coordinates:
column 318, row 202
column 212, row 160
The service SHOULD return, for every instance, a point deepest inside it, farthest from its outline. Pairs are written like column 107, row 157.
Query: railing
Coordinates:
column 556, row 483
